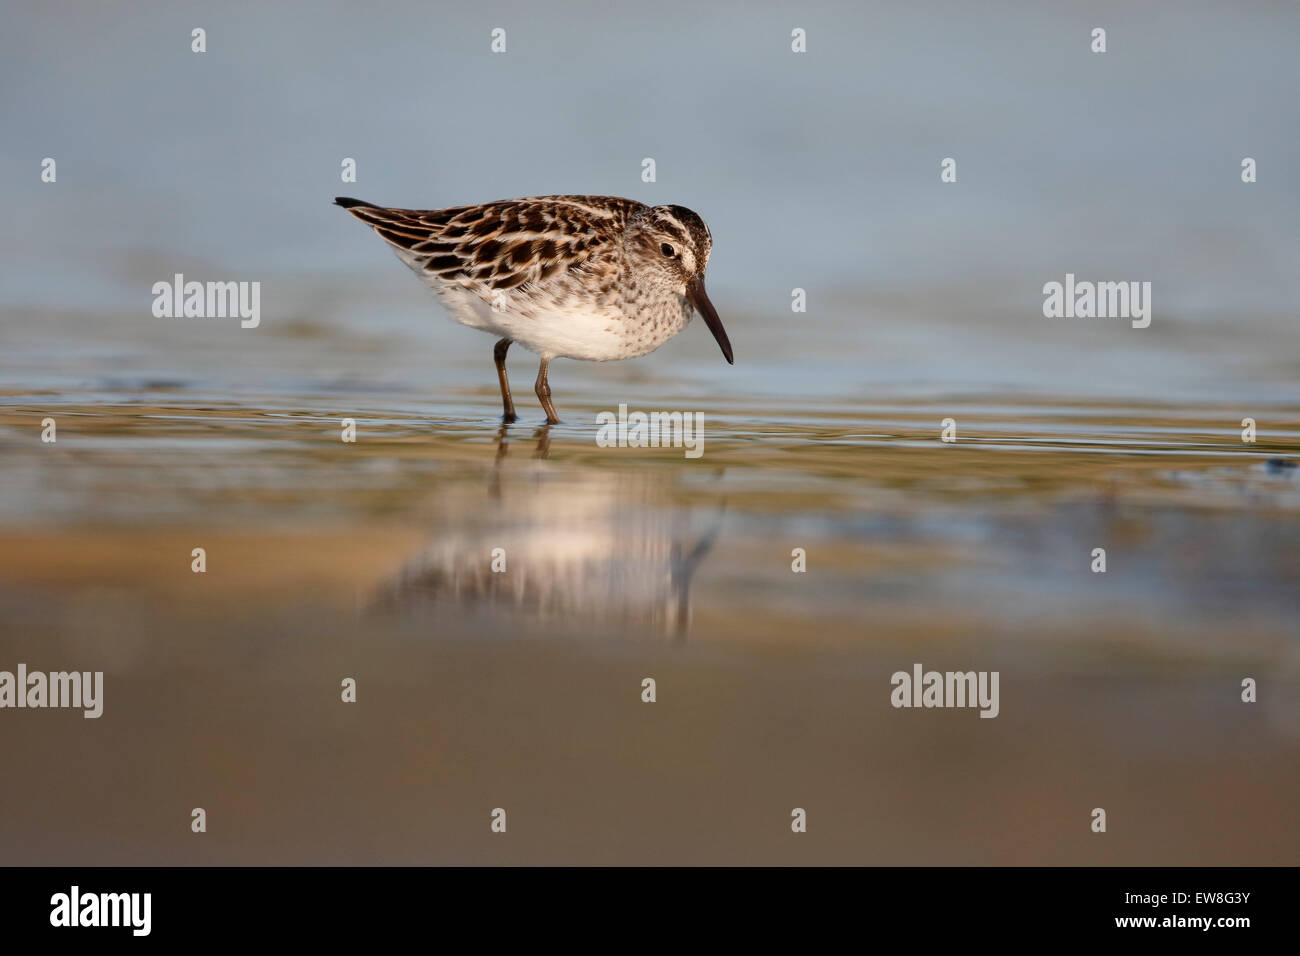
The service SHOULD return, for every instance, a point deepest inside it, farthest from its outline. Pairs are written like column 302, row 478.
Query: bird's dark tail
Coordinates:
column 347, row 203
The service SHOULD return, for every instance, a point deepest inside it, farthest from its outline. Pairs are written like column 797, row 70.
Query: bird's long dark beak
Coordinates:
column 700, row 299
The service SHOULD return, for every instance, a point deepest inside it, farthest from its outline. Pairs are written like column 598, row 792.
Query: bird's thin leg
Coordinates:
column 544, row 395
column 499, row 353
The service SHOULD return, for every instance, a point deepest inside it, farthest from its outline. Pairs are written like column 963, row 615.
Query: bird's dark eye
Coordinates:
column 667, row 250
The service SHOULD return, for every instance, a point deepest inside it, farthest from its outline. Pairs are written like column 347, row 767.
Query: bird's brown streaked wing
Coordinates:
column 502, row 244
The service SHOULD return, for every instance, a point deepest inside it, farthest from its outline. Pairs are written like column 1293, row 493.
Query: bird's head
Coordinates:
column 669, row 247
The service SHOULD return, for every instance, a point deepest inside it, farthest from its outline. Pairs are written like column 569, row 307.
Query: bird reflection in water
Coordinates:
column 587, row 551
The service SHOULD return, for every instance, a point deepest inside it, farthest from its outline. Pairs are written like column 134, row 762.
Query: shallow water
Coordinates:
column 996, row 529
column 521, row 689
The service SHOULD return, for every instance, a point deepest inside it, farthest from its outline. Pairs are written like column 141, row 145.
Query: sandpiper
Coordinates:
column 584, row 277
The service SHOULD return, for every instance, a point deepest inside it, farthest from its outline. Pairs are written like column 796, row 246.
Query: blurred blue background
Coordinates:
column 817, row 170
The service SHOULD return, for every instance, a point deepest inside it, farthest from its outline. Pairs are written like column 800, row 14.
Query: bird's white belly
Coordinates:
column 590, row 333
